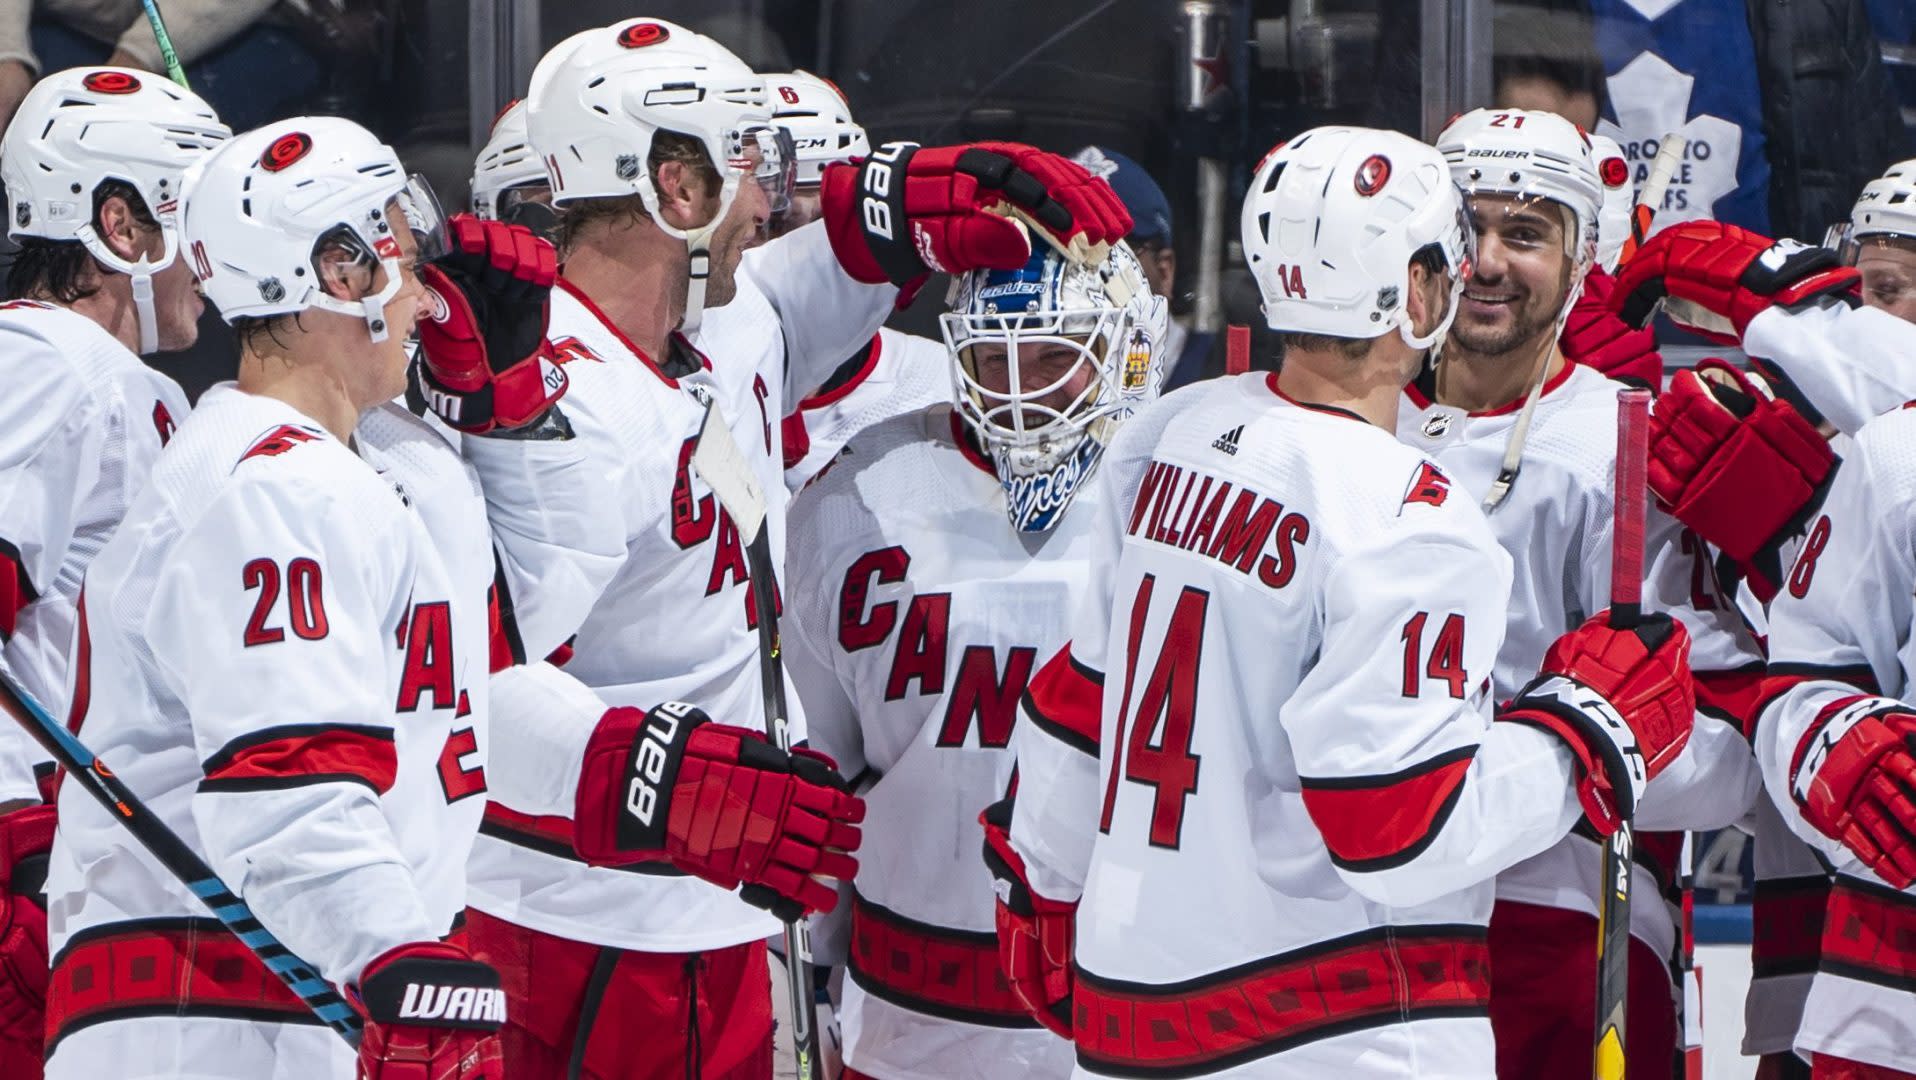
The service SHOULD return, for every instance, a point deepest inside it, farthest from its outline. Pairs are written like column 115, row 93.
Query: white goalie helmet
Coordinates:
column 1105, row 323
column 257, row 211
column 820, row 120
column 1529, row 154
column 79, row 128
column 506, row 165
column 1619, row 196
column 600, row 97
column 1330, row 225
column 1886, row 208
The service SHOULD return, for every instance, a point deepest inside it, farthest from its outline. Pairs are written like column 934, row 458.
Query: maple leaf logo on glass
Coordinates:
column 1651, row 99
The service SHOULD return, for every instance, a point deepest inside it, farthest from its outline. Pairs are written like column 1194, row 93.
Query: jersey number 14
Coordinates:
column 1157, row 752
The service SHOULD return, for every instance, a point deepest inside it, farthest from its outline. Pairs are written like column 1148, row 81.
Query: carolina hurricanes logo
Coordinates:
column 1429, row 486
column 280, row 440
column 639, row 35
column 285, row 150
column 1614, row 171
column 1372, row 175
column 110, row 82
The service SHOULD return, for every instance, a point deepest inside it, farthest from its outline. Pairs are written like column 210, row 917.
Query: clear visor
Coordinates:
column 425, row 217
column 770, row 156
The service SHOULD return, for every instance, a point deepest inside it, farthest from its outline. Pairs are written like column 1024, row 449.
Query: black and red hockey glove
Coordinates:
column 1739, row 465
column 485, row 362
column 719, row 802
column 26, row 835
column 1625, row 702
column 432, row 1013
column 1717, row 277
column 908, row 210
column 1596, row 338
column 1853, row 774
column 1035, row 934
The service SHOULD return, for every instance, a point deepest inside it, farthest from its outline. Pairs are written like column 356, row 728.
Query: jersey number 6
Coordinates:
column 1158, row 752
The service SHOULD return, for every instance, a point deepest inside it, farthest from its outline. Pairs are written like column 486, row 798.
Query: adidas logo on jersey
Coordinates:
column 1227, row 442
column 453, row 1004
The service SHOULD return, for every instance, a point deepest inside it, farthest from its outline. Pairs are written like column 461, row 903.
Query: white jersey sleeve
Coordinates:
column 1851, row 363
column 824, row 315
column 559, row 542
column 1370, row 716
column 290, row 716
column 1841, row 626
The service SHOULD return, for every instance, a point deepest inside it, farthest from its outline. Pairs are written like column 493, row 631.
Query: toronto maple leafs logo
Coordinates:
column 1652, row 98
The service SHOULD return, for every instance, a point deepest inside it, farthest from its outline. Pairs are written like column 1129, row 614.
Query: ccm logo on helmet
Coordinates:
column 639, row 35
column 285, row 150
column 1372, row 175
column 110, row 82
column 877, row 179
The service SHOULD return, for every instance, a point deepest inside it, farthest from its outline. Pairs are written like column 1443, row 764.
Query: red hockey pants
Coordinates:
column 646, row 1016
column 1543, row 996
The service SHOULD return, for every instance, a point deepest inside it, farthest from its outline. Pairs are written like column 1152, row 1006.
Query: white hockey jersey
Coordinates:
column 275, row 653
column 901, row 373
column 669, row 617
column 80, row 425
column 1556, row 524
column 1287, row 852
column 917, row 618
column 1840, row 631
column 1853, row 364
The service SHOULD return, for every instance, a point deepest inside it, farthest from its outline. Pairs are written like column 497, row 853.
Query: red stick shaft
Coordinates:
column 1626, row 550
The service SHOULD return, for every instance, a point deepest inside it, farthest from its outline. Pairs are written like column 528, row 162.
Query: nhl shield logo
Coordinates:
column 1436, row 425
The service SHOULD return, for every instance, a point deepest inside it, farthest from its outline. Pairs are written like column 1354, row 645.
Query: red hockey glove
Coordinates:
column 1622, row 699
column 907, row 210
column 432, row 1013
column 486, row 363
column 25, row 837
column 1718, row 277
column 1035, row 935
column 1738, row 465
column 1854, row 776
column 1598, row 339
column 719, row 802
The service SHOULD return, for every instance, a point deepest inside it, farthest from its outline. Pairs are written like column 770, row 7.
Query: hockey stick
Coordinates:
column 1626, row 610
column 724, row 469
column 1650, row 196
column 181, row 861
column 172, row 59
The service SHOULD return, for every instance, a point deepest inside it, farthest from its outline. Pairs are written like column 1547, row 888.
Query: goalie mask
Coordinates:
column 1047, row 360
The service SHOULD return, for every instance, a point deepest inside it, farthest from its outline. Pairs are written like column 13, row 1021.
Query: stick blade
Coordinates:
column 722, row 465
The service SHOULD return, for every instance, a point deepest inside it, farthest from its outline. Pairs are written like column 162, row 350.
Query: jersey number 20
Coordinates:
column 1158, row 751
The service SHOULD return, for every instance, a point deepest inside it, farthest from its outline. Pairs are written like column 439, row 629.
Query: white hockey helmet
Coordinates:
column 1886, row 208
column 1108, row 316
column 506, row 164
column 599, row 97
column 79, row 128
column 1619, row 197
column 820, row 120
column 1530, row 154
column 1330, row 225
column 257, row 211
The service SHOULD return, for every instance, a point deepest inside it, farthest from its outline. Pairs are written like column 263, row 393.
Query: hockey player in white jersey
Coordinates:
column 893, row 373
column 508, row 179
column 1837, row 740
column 944, row 551
column 92, row 172
column 269, row 652
column 1593, row 335
column 1532, row 435
column 656, row 139
column 1264, row 781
